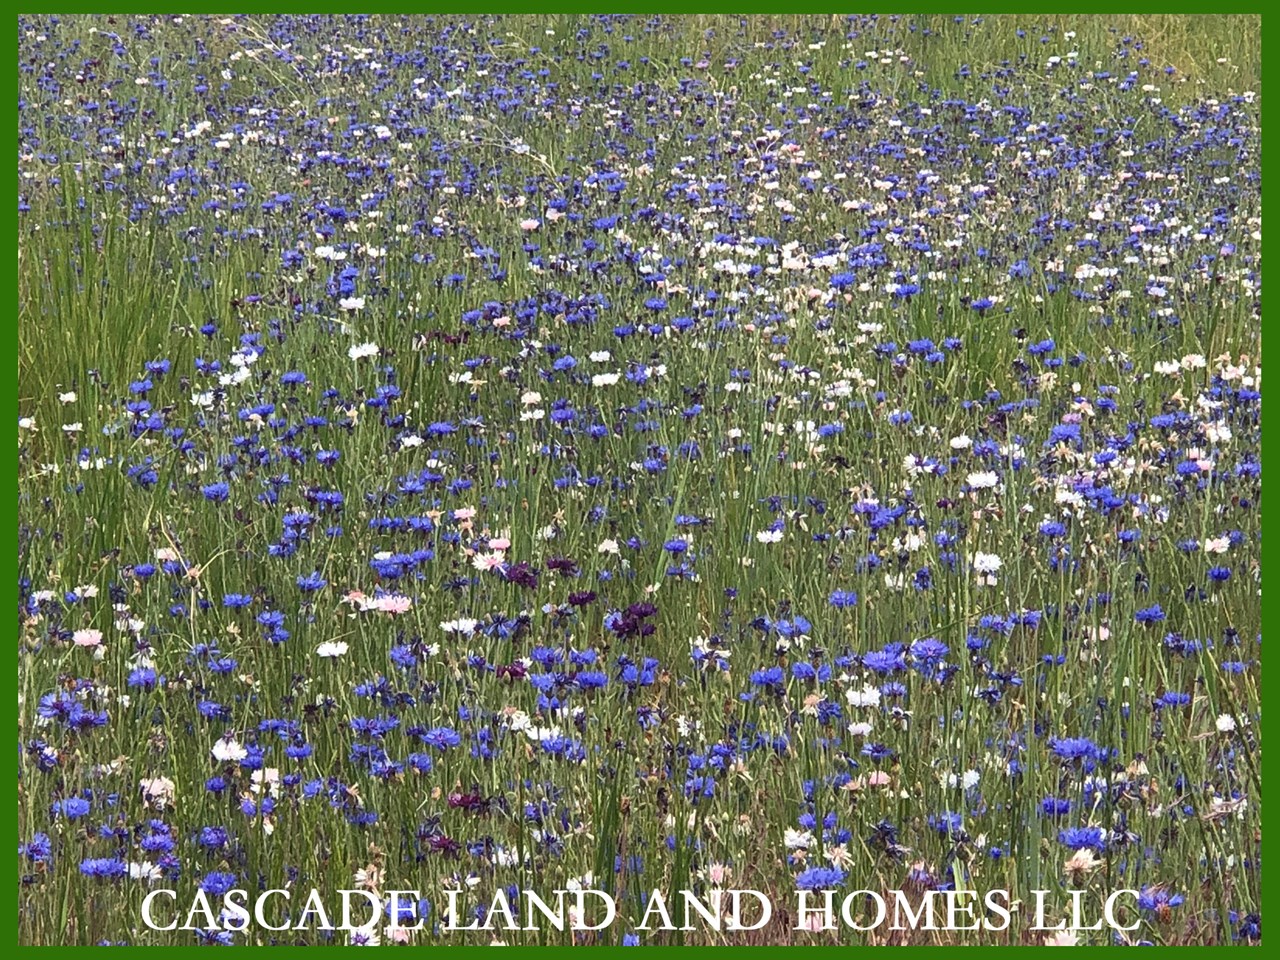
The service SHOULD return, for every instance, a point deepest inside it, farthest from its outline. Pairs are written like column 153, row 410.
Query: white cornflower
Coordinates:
column 966, row 781
column 797, row 839
column 986, row 562
column 360, row 350
column 463, row 625
column 983, row 479
column 986, row 566
column 868, row 696
column 228, row 748
column 1217, row 545
column 332, row 648
column 146, row 871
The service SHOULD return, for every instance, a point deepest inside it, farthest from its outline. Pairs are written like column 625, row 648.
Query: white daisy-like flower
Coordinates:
column 868, row 696
column 463, row 625
column 228, row 748
column 145, row 871
column 986, row 566
column 795, row 839
column 986, row 562
column 332, row 648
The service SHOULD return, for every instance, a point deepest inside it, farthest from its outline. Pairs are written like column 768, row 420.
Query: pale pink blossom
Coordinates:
column 355, row 597
column 88, row 637
column 1062, row 938
column 390, row 603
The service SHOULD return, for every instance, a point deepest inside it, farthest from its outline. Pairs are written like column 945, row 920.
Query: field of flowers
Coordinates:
column 628, row 453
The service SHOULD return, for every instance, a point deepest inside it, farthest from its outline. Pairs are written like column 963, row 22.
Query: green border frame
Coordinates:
column 1081, row 7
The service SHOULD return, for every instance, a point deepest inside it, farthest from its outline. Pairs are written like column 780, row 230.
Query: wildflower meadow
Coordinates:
column 597, row 455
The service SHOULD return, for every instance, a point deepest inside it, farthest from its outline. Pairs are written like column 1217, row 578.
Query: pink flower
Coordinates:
column 500, row 543
column 356, row 598
column 814, row 923
column 1062, row 938
column 87, row 638
column 390, row 603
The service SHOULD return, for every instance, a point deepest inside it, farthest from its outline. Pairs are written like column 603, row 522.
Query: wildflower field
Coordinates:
column 478, row 455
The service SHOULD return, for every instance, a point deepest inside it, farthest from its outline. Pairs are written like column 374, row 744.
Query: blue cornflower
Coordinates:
column 73, row 808
column 1152, row 614
column 820, row 878
column 1076, row 838
column 104, row 868
column 216, row 492
column 1156, row 898
column 843, row 598
column 1075, row 748
column 442, row 738
column 312, row 582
